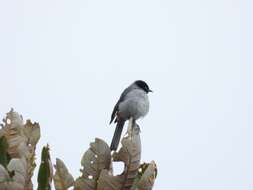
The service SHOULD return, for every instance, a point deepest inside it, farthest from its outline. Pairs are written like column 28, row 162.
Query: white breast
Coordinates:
column 135, row 104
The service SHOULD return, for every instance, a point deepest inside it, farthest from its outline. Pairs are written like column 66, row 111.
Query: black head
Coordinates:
column 143, row 85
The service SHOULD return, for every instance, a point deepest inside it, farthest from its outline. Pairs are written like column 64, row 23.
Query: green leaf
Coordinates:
column 45, row 171
column 4, row 157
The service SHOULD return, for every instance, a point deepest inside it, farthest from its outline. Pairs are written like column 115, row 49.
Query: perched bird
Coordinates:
column 133, row 103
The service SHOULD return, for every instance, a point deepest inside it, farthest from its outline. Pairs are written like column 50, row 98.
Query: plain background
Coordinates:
column 65, row 63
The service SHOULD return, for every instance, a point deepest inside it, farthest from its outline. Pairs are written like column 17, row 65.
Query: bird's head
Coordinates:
column 143, row 85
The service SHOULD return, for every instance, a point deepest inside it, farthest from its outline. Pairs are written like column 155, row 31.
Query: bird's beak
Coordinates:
column 150, row 90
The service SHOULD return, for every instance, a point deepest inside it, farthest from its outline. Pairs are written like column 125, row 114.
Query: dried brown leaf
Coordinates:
column 62, row 178
column 146, row 177
column 18, row 167
column 21, row 139
column 4, row 176
column 130, row 154
column 16, row 182
column 82, row 183
column 94, row 160
column 32, row 132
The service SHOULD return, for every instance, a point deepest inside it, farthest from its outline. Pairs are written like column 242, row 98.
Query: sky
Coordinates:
column 65, row 63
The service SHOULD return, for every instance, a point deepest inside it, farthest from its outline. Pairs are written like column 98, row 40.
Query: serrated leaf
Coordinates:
column 13, row 119
column 32, row 132
column 12, row 131
column 130, row 154
column 62, row 178
column 19, row 143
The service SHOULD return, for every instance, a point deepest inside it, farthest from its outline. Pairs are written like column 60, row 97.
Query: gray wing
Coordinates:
column 121, row 99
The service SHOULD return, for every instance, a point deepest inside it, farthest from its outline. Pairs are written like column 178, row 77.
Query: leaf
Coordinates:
column 12, row 131
column 94, row 160
column 62, row 178
column 32, row 132
column 130, row 154
column 146, row 177
column 45, row 171
column 4, row 157
column 11, row 186
column 13, row 119
column 21, row 139
column 13, row 177
column 4, row 176
column 18, row 167
column 82, row 183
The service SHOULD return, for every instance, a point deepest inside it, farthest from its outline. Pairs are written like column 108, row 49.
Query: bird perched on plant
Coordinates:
column 133, row 103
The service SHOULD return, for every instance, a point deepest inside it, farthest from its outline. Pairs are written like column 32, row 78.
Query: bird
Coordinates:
column 133, row 103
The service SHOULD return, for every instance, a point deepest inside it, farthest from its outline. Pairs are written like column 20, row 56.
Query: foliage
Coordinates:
column 18, row 144
column 45, row 171
column 18, row 140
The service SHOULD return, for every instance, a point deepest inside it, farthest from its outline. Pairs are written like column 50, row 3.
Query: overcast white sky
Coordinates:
column 65, row 63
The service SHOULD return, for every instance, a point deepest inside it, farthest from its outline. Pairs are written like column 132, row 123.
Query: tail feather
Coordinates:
column 117, row 135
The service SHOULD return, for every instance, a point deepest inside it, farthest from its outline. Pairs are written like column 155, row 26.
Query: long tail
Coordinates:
column 117, row 135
